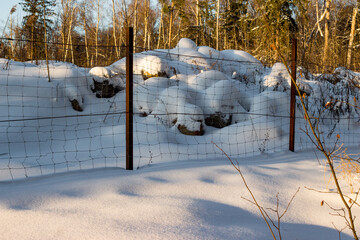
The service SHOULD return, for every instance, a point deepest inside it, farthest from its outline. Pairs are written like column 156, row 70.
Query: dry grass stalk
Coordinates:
column 279, row 215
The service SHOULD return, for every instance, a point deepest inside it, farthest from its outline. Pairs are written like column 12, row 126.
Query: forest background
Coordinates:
column 92, row 32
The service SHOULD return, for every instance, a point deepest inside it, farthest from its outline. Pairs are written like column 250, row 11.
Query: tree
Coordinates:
column 37, row 17
column 114, row 29
column 352, row 34
column 327, row 34
column 237, row 20
column 69, row 8
column 277, row 21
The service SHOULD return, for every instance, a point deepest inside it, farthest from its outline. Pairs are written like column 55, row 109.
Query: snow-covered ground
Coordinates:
column 183, row 188
column 199, row 199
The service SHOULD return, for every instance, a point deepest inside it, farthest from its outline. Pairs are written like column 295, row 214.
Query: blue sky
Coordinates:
column 5, row 7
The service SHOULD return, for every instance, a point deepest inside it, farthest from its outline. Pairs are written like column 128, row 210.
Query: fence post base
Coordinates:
column 292, row 97
column 129, row 99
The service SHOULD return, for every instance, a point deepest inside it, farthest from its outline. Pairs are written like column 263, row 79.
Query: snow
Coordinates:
column 61, row 171
column 100, row 73
column 222, row 96
column 178, row 200
column 209, row 52
column 146, row 94
column 278, row 78
column 191, row 60
column 205, row 79
column 242, row 63
column 186, row 43
column 151, row 65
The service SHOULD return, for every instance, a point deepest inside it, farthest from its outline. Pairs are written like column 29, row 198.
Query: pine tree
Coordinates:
column 278, row 22
column 236, row 24
column 36, row 12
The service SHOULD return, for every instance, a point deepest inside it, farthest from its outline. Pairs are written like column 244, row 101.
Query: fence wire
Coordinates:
column 184, row 99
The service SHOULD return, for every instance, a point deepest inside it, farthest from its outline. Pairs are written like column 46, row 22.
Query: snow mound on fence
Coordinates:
column 186, row 86
column 222, row 96
column 210, row 52
column 146, row 95
column 278, row 79
column 245, row 66
column 186, row 43
column 205, row 79
column 271, row 103
column 70, row 80
column 174, row 108
column 100, row 73
column 149, row 65
column 229, row 84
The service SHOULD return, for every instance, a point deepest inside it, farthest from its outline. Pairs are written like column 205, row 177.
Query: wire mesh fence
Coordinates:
column 184, row 99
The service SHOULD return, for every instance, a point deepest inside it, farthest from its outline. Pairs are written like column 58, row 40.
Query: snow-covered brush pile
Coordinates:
column 26, row 82
column 333, row 99
column 189, row 87
column 192, row 87
column 184, row 98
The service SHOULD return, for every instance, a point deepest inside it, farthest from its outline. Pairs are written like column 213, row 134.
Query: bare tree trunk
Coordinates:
column 97, row 33
column 179, row 32
column 235, row 39
column 327, row 34
column 161, row 26
column 68, row 42
column 226, row 39
column 197, row 23
column 276, row 55
column 217, row 24
column 171, row 22
column 32, row 42
column 351, row 40
column 135, row 22
column 63, row 25
column 11, row 36
column 147, row 6
column 313, row 33
column 317, row 18
column 125, row 24
column 125, row 14
column 85, row 38
column 114, row 29
column 45, row 39
column 72, row 50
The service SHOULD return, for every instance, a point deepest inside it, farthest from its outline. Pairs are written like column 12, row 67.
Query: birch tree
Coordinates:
column 351, row 40
column 135, row 22
column 217, row 23
column 326, row 34
column 97, row 32
column 85, row 28
column 171, row 21
column 114, row 29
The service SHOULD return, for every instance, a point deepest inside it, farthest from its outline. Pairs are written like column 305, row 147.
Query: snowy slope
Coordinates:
column 200, row 199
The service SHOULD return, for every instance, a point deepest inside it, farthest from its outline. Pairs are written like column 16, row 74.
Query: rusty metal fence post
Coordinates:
column 292, row 97
column 129, row 99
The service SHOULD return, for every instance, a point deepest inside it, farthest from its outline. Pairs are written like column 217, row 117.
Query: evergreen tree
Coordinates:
column 38, row 14
column 236, row 24
column 278, row 22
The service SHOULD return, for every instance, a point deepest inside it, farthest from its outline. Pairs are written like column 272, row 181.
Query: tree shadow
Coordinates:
column 223, row 221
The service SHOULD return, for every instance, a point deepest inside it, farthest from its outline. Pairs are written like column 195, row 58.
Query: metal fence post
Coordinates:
column 129, row 99
column 292, row 97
